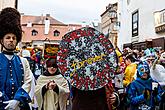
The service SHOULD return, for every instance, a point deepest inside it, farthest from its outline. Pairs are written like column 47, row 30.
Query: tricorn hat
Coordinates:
column 10, row 23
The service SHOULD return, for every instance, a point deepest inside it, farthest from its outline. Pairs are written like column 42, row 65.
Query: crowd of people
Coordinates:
column 138, row 84
column 140, row 72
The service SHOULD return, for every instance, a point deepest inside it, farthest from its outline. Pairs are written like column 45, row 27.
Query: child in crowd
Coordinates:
column 144, row 93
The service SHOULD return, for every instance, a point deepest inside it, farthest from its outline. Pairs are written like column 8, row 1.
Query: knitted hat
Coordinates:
column 10, row 23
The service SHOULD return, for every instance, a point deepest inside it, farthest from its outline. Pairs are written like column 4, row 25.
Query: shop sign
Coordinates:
column 160, row 29
column 159, row 17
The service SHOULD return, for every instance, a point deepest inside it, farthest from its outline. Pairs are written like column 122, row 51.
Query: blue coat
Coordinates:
column 11, row 80
column 136, row 97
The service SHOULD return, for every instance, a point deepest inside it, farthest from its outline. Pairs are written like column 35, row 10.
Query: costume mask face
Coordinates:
column 143, row 68
column 52, row 70
column 51, row 65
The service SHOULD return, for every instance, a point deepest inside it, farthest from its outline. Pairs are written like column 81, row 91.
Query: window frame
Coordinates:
column 56, row 33
column 135, row 23
column 34, row 32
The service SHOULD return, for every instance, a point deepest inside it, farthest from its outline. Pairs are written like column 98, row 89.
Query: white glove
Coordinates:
column 11, row 104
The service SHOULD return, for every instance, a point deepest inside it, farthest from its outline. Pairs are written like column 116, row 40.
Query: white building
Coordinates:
column 8, row 3
column 141, row 20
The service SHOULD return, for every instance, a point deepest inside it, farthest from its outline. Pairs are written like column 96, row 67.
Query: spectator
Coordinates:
column 25, row 53
column 130, row 70
column 162, row 59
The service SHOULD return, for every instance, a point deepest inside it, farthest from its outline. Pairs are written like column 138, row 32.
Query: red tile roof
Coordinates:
column 38, row 19
column 39, row 26
column 27, row 36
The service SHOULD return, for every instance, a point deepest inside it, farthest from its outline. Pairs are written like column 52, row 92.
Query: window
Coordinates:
column 34, row 32
column 56, row 33
column 135, row 20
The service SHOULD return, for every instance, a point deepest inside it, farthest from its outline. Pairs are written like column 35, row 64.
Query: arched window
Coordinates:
column 34, row 32
column 56, row 33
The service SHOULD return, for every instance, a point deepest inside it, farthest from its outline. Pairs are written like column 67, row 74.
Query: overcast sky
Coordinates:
column 66, row 11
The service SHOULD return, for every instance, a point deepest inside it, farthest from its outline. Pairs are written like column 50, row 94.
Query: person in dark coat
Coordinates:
column 93, row 100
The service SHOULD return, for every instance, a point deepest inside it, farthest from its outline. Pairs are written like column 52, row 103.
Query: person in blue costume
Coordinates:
column 15, row 74
column 141, row 93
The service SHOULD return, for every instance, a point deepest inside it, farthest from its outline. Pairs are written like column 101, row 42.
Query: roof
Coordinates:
column 109, row 7
column 38, row 25
column 38, row 19
column 27, row 36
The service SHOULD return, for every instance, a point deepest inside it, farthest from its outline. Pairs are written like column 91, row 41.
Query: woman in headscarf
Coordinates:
column 52, row 89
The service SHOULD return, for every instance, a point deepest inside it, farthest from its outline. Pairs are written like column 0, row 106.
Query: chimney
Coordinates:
column 47, row 25
column 47, row 15
column 29, row 24
column 22, row 14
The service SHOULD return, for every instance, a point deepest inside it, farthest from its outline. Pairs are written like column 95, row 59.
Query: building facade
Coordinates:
column 8, row 3
column 109, row 23
column 142, row 22
column 38, row 30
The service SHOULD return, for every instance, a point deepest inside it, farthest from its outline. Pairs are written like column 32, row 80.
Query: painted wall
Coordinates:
column 125, row 24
